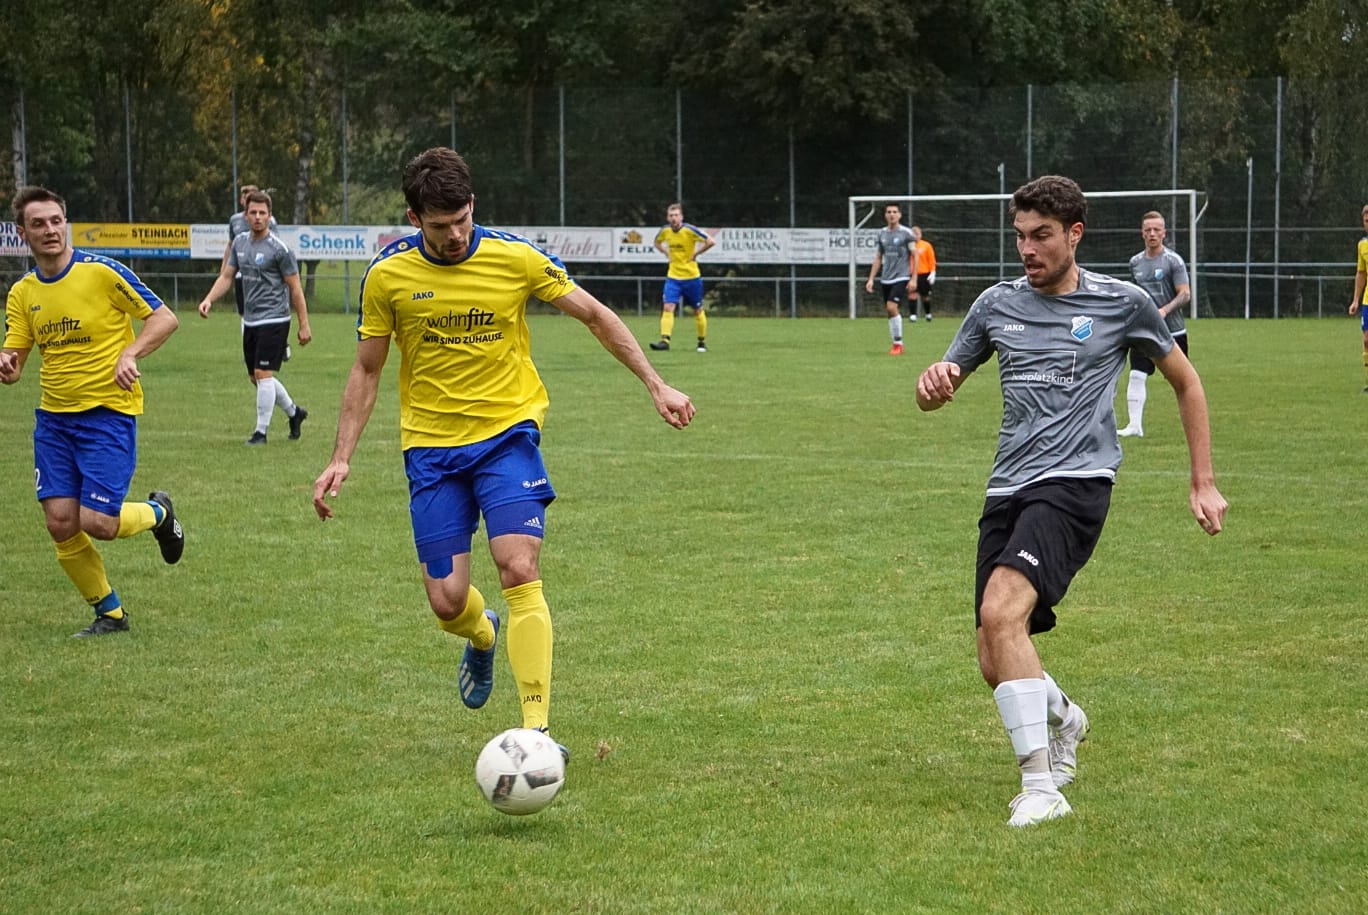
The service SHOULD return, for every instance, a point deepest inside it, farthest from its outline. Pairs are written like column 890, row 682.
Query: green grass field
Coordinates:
column 764, row 657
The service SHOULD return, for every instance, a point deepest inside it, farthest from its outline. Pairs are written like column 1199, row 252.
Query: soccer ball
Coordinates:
column 520, row 771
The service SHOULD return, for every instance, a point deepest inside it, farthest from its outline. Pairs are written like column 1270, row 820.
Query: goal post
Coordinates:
column 976, row 246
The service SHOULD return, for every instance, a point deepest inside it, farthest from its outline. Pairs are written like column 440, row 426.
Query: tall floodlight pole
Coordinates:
column 128, row 147
column 1249, row 227
column 1277, row 200
column 1002, row 221
column 232, row 117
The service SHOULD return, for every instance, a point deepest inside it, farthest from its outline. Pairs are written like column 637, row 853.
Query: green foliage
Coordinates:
column 764, row 660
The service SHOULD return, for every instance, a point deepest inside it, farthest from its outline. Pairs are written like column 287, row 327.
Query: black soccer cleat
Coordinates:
column 662, row 345
column 258, row 438
column 297, row 420
column 169, row 533
column 104, row 625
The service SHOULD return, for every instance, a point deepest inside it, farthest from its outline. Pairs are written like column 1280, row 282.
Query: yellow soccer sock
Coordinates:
column 82, row 563
column 666, row 324
column 701, row 322
column 529, row 651
column 472, row 623
column 136, row 517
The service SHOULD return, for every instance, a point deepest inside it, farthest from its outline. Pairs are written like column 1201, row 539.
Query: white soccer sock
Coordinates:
column 895, row 328
column 265, row 402
column 1023, row 707
column 282, row 398
column 1056, row 702
column 1135, row 399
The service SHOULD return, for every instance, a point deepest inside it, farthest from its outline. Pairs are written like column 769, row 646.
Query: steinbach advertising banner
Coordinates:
column 137, row 239
column 572, row 244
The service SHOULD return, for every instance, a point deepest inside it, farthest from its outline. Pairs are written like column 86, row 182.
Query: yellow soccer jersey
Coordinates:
column 466, row 371
column 80, row 321
column 681, row 243
column 1363, row 264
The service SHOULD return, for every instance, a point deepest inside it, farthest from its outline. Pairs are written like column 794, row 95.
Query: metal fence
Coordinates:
column 1276, row 162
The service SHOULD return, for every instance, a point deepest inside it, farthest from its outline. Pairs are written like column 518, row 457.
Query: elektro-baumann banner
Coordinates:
column 572, row 244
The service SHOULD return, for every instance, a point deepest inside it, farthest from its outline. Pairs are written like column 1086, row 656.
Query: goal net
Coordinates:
column 975, row 244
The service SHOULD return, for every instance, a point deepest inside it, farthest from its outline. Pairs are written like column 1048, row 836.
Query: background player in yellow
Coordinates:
column 682, row 243
column 453, row 299
column 78, row 309
column 1360, row 281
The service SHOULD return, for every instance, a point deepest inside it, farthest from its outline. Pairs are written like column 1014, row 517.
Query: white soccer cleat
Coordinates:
column 1035, row 805
column 1131, row 430
column 1064, row 741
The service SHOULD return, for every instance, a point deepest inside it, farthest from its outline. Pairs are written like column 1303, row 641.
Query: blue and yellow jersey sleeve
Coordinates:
column 80, row 321
column 1363, row 264
column 466, row 371
column 681, row 244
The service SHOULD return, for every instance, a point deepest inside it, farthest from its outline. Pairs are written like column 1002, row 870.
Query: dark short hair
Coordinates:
column 1053, row 196
column 257, row 197
column 437, row 180
column 34, row 194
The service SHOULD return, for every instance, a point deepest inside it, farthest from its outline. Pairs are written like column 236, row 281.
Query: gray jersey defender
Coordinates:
column 263, row 266
column 895, row 247
column 1161, row 276
column 1058, row 360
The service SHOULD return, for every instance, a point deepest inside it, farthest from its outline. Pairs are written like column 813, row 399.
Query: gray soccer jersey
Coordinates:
column 1161, row 276
column 895, row 247
column 263, row 266
column 1058, row 358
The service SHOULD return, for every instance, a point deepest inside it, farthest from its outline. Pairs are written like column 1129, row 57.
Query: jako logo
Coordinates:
column 1009, row 328
column 1028, row 557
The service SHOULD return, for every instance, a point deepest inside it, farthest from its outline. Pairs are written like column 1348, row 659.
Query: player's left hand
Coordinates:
column 326, row 487
column 1208, row 507
column 675, row 407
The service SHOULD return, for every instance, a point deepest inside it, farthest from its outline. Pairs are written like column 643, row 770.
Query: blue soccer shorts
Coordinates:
column 89, row 456
column 502, row 478
column 684, row 292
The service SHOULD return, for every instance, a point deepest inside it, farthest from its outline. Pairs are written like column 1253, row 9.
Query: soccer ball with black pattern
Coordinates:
column 520, row 771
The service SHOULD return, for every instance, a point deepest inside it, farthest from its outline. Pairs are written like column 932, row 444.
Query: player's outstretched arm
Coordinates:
column 160, row 325
column 673, row 406
column 358, row 400
column 1207, row 504
column 937, row 385
column 222, row 283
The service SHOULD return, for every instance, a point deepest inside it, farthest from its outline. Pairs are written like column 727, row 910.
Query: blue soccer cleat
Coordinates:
column 565, row 753
column 476, row 676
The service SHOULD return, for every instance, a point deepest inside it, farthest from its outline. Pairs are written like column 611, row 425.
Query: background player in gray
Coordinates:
column 1160, row 272
column 237, row 224
column 1060, row 335
column 270, row 281
column 893, row 266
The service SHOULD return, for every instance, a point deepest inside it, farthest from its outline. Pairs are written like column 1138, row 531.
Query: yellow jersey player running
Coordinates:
column 453, row 299
column 78, row 309
column 682, row 243
column 1359, row 305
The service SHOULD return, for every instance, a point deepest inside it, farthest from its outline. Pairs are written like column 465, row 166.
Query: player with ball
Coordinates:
column 453, row 297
